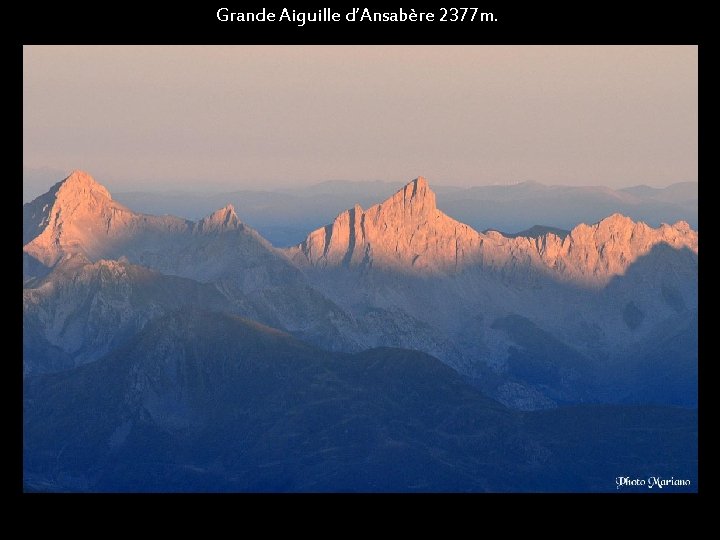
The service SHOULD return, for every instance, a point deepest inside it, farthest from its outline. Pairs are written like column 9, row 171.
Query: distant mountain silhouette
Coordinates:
column 536, row 231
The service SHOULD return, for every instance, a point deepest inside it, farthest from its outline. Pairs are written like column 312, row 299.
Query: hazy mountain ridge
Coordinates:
column 400, row 274
column 284, row 216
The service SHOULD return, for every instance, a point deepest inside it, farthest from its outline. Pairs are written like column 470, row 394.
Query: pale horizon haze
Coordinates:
column 223, row 118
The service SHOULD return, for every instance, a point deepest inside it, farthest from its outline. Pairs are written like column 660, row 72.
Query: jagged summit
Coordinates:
column 415, row 190
column 72, row 217
column 618, row 229
column 406, row 231
column 616, row 220
column 221, row 220
column 79, row 185
column 415, row 197
column 77, row 192
column 681, row 225
column 79, row 216
column 79, row 177
column 419, row 186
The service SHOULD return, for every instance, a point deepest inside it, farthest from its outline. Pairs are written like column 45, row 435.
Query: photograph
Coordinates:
column 359, row 268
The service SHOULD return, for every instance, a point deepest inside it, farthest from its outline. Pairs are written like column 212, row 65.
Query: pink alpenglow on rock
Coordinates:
column 409, row 233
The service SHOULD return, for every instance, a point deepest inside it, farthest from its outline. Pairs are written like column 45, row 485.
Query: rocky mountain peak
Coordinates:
column 682, row 226
column 77, row 217
column 79, row 186
column 75, row 213
column 79, row 177
column 415, row 198
column 221, row 220
column 406, row 232
column 616, row 220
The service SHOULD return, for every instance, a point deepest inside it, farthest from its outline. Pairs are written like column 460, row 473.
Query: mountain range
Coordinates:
column 160, row 336
column 284, row 216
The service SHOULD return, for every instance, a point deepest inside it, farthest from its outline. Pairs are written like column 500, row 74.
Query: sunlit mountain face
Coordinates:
column 394, row 349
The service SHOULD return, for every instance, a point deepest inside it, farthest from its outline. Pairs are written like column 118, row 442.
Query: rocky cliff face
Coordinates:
column 592, row 254
column 408, row 233
column 78, row 215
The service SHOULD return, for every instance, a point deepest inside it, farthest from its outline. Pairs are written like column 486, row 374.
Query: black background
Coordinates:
column 542, row 23
column 539, row 23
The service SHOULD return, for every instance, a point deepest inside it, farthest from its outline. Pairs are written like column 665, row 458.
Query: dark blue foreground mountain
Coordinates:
column 202, row 401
